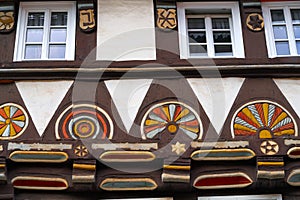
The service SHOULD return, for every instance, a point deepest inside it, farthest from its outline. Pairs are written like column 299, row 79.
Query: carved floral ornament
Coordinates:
column 265, row 120
column 84, row 121
column 171, row 117
column 7, row 17
column 255, row 22
column 166, row 18
column 13, row 121
column 86, row 12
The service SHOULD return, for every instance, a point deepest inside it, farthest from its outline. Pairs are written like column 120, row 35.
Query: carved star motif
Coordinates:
column 178, row 148
column 269, row 147
column 80, row 151
column 255, row 22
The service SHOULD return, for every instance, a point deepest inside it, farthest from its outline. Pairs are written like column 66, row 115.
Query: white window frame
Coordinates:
column 47, row 7
column 270, row 40
column 244, row 197
column 236, row 28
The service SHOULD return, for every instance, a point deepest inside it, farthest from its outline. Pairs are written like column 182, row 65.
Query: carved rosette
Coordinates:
column 84, row 121
column 255, row 22
column 166, row 18
column 171, row 117
column 13, row 121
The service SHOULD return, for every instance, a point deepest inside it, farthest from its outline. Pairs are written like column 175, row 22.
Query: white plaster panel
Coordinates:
column 128, row 96
column 291, row 90
column 42, row 99
column 216, row 95
column 126, row 30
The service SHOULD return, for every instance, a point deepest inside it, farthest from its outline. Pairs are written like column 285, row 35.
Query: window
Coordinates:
column 245, row 197
column 210, row 29
column 282, row 29
column 45, row 31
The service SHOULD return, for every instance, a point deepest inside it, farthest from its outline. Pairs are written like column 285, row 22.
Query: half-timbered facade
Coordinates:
column 150, row 99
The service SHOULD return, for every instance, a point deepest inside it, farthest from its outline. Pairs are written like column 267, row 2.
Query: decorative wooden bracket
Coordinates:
column 178, row 171
column 270, row 168
column 84, row 171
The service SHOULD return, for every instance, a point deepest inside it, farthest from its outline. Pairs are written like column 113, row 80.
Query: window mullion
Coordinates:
column 45, row 47
column 209, row 37
column 290, row 31
column 233, row 43
column 24, row 31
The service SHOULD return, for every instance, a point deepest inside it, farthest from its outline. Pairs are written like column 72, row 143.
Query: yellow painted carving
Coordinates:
column 84, row 166
column 279, row 118
column 270, row 163
column 166, row 112
column 266, row 112
column 177, row 167
column 265, row 134
column 172, row 128
column 21, row 118
column 12, row 130
column 6, row 110
column 182, row 114
column 6, row 20
column 2, row 129
column 248, row 113
column 285, row 132
column 195, row 130
column 240, row 127
column 152, row 122
column 87, row 19
column 166, row 18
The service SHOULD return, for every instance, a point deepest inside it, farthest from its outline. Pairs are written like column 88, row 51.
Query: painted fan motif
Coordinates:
column 171, row 116
column 265, row 118
column 13, row 121
column 84, row 121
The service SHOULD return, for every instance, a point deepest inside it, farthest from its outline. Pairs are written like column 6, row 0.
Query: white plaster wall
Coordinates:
column 126, row 30
column 42, row 99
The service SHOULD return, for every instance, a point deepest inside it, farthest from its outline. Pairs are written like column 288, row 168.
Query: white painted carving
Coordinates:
column 38, row 146
column 289, row 142
column 220, row 145
column 42, row 99
column 131, row 146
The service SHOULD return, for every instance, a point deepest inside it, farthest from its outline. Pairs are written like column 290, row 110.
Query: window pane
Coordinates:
column 198, row 50
column 35, row 19
column 34, row 35
column 220, row 23
column 197, row 37
column 282, row 48
column 295, row 15
column 223, row 50
column 57, row 51
column 220, row 37
column 196, row 23
column 33, row 51
column 280, row 32
column 298, row 47
column 277, row 15
column 59, row 18
column 297, row 31
column 58, row 35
